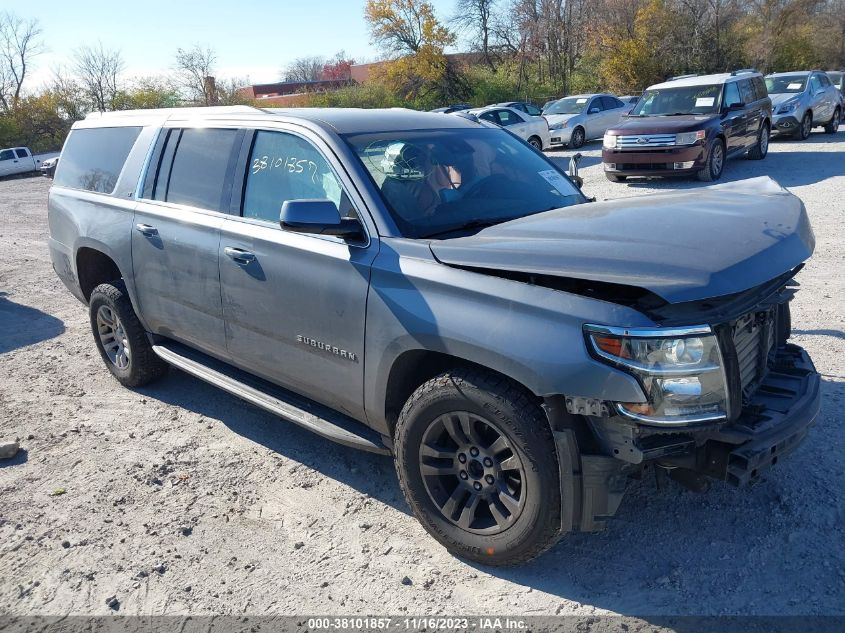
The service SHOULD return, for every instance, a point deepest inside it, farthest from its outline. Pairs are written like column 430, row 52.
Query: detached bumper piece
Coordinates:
column 774, row 422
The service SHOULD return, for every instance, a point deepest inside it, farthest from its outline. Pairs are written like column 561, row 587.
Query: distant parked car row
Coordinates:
column 691, row 124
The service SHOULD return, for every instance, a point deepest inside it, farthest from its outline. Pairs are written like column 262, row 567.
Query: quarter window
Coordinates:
column 199, row 169
column 286, row 167
column 93, row 158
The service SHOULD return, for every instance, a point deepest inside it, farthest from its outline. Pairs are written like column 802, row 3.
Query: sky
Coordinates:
column 253, row 39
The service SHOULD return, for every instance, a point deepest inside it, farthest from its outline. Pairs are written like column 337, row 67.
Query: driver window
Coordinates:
column 814, row 84
column 595, row 104
column 731, row 94
column 285, row 167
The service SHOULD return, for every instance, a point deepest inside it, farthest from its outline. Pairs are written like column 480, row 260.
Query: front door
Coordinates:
column 734, row 122
column 176, row 235
column 295, row 304
column 8, row 162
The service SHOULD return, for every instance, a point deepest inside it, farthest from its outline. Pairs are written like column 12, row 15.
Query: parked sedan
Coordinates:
column 802, row 101
column 455, row 107
column 534, row 130
column 523, row 106
column 579, row 118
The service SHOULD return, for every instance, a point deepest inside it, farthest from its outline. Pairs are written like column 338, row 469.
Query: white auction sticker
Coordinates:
column 794, row 87
column 704, row 102
column 557, row 181
column 580, row 101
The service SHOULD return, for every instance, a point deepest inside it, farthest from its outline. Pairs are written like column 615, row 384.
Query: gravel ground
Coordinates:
column 180, row 499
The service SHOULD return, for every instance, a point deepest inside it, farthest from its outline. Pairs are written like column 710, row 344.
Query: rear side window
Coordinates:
column 198, row 162
column 286, row 167
column 533, row 110
column 760, row 87
column 747, row 92
column 93, row 158
column 21, row 153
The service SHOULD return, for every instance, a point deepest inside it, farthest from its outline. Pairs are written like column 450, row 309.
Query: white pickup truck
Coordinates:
column 18, row 160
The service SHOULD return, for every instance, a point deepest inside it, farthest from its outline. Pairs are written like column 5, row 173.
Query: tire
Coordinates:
column 536, row 143
column 578, row 137
column 615, row 177
column 130, row 357
column 453, row 412
column 833, row 126
column 715, row 162
column 806, row 126
column 759, row 151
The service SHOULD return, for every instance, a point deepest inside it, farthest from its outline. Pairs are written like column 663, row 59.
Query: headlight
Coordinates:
column 688, row 138
column 609, row 140
column 680, row 370
column 558, row 126
column 787, row 107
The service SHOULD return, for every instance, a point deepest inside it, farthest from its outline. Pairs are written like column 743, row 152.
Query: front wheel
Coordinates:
column 476, row 462
column 715, row 162
column 806, row 127
column 120, row 338
column 578, row 137
column 536, row 143
column 833, row 126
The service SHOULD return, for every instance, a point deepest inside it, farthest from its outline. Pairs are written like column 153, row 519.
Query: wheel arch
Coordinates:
column 94, row 266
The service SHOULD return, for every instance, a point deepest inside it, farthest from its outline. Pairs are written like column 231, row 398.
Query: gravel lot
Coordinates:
column 180, row 499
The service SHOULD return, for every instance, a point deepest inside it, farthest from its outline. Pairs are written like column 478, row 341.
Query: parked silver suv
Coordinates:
column 802, row 101
column 433, row 288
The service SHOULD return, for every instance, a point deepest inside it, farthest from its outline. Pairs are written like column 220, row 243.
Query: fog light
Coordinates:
column 610, row 166
column 685, row 165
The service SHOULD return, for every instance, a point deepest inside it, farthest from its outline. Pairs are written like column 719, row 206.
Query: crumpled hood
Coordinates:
column 682, row 246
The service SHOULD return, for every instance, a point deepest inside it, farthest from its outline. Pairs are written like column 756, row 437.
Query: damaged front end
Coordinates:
column 726, row 400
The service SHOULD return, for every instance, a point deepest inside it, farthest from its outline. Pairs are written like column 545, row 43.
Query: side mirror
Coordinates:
column 736, row 105
column 573, row 170
column 318, row 217
column 594, row 111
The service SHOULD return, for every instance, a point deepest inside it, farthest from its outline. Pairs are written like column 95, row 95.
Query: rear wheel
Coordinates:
column 615, row 177
column 715, row 162
column 759, row 151
column 578, row 137
column 806, row 126
column 833, row 126
column 476, row 461
column 120, row 338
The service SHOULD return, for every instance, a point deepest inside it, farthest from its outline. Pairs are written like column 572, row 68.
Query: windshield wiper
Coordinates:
column 478, row 223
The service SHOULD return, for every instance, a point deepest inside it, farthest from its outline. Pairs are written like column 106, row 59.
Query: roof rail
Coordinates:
column 682, row 76
column 236, row 109
column 743, row 71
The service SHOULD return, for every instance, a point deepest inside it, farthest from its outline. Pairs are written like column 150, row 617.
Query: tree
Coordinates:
column 148, row 92
column 476, row 17
column 194, row 69
column 401, row 27
column 338, row 68
column 98, row 72
column 20, row 42
column 305, row 69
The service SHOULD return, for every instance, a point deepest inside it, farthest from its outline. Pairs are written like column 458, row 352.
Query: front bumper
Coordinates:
column 666, row 161
column 561, row 136
column 785, row 123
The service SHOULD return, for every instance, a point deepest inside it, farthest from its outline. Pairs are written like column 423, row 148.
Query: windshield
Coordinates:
column 786, row 83
column 569, row 105
column 678, row 101
column 438, row 181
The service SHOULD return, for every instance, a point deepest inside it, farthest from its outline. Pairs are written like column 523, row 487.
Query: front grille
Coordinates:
column 645, row 141
column 753, row 338
column 644, row 166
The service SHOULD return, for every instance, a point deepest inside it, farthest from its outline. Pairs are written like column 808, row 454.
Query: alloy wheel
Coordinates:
column 717, row 161
column 113, row 337
column 764, row 141
column 472, row 473
column 806, row 126
column 578, row 137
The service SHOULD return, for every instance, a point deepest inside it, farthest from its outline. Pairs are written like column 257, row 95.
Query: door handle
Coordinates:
column 241, row 256
column 146, row 229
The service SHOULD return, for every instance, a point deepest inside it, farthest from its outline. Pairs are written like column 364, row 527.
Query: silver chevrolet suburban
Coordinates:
column 436, row 289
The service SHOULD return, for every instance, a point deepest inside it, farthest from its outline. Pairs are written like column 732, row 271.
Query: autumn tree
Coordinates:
column 98, row 72
column 410, row 31
column 338, row 68
column 20, row 42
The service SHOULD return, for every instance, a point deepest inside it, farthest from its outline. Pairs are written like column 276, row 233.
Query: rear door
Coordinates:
column 295, row 304
column 593, row 121
column 612, row 111
column 515, row 122
column 818, row 101
column 753, row 110
column 176, row 234
column 25, row 161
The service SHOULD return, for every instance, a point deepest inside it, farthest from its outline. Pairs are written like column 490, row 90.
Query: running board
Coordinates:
column 288, row 405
